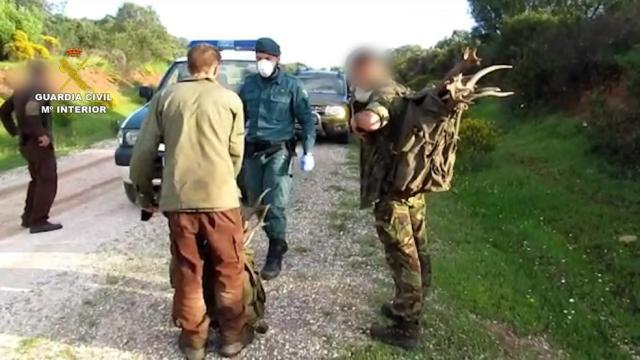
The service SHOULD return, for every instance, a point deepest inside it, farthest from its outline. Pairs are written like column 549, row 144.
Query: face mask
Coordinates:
column 265, row 68
column 362, row 95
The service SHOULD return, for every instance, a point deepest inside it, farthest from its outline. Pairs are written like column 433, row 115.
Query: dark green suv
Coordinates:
column 328, row 96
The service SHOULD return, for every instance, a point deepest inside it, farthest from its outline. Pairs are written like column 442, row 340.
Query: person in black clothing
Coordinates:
column 33, row 129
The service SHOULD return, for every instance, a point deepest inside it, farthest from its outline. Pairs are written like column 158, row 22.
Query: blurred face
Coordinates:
column 366, row 74
column 42, row 78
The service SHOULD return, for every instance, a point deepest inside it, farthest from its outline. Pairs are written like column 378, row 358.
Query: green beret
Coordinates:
column 268, row 46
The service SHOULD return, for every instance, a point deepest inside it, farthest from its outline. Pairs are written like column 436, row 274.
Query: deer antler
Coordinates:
column 466, row 92
column 260, row 212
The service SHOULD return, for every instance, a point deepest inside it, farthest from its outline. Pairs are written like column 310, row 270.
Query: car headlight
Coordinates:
column 128, row 137
column 120, row 136
column 336, row 111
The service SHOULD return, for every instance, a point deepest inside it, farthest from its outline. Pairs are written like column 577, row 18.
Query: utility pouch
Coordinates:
column 291, row 145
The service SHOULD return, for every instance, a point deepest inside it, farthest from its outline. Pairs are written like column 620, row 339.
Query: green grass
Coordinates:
column 73, row 132
column 530, row 240
column 533, row 240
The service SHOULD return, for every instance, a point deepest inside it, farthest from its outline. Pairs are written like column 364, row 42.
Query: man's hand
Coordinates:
column 44, row 141
column 354, row 128
column 367, row 121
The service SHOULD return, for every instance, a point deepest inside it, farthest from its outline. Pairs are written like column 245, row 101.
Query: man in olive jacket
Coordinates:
column 202, row 126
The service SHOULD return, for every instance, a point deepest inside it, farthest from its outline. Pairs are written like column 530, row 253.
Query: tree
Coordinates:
column 138, row 32
column 12, row 18
column 416, row 66
column 135, row 31
column 490, row 14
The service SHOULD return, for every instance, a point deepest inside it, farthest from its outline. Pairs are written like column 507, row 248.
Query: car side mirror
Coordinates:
column 145, row 92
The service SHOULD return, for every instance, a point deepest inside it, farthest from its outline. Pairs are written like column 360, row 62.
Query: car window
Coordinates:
column 324, row 84
column 232, row 73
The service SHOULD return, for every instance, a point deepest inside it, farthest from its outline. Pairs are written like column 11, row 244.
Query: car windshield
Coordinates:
column 323, row 84
column 231, row 76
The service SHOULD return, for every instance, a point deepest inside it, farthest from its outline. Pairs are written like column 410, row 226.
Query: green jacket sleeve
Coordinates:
column 145, row 152
column 303, row 114
column 380, row 103
column 236, row 140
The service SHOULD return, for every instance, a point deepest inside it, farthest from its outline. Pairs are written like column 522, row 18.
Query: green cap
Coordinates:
column 267, row 46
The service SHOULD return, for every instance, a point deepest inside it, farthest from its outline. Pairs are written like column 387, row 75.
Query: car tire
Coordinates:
column 132, row 194
column 343, row 138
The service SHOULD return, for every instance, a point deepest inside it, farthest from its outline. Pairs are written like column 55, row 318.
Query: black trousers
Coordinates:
column 44, row 182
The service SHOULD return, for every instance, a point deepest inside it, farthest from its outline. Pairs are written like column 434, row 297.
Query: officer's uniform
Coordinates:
column 272, row 106
column 400, row 220
column 32, row 124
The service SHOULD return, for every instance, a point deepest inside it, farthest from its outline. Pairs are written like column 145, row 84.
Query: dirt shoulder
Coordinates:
column 99, row 289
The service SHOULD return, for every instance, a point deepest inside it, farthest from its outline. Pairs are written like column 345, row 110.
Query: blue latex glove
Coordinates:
column 307, row 163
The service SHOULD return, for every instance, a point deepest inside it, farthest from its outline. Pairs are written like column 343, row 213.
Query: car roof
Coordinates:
column 230, row 55
column 318, row 72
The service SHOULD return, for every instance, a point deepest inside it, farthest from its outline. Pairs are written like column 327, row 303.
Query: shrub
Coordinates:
column 417, row 67
column 51, row 43
column 41, row 51
column 20, row 48
column 27, row 19
column 630, row 62
column 616, row 133
column 477, row 138
column 557, row 57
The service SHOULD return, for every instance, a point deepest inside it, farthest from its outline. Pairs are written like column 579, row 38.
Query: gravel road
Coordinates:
column 99, row 288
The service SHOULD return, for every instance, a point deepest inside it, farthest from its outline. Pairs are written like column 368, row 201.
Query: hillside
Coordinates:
column 77, row 131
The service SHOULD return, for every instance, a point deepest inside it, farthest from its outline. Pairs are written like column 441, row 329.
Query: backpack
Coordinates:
column 425, row 144
column 254, row 294
column 425, row 139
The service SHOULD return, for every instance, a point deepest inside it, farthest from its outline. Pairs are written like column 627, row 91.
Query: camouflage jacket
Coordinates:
column 376, row 151
column 414, row 151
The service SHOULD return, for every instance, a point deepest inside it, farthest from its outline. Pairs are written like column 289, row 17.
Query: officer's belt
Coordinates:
column 266, row 148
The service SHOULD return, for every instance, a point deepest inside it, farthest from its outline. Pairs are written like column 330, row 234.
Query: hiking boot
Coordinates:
column 235, row 347
column 387, row 311
column 189, row 350
column 24, row 224
column 261, row 326
column 402, row 334
column 273, row 265
column 44, row 227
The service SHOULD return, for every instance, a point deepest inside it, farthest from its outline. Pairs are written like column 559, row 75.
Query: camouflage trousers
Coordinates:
column 401, row 227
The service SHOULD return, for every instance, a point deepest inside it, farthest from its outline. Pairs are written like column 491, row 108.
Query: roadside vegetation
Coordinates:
column 72, row 132
column 115, row 57
column 576, row 57
column 535, row 250
column 539, row 236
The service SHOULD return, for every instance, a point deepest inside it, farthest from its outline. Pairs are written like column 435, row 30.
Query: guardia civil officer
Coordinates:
column 273, row 102
column 36, row 146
